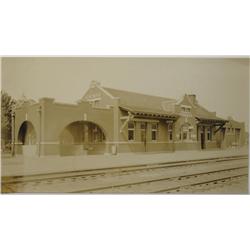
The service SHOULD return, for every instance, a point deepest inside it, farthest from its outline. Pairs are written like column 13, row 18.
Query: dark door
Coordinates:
column 202, row 138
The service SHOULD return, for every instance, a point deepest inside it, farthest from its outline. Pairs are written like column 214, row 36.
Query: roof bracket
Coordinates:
column 128, row 118
column 221, row 126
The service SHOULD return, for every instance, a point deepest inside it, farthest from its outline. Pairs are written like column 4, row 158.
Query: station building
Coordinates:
column 111, row 121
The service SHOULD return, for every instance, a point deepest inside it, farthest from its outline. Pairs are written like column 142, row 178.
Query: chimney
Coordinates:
column 192, row 98
column 94, row 83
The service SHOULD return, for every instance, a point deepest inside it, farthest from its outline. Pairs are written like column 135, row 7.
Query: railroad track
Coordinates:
column 123, row 169
column 173, row 183
column 140, row 175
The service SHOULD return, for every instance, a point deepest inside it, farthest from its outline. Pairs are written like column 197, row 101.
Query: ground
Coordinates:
column 35, row 166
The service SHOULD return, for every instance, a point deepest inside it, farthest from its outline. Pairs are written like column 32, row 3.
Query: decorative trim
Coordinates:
column 145, row 120
column 105, row 91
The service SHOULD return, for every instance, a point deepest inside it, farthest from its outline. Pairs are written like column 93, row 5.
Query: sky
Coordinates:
column 220, row 84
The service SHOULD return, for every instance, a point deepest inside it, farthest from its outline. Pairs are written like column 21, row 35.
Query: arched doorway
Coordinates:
column 27, row 139
column 27, row 134
column 82, row 137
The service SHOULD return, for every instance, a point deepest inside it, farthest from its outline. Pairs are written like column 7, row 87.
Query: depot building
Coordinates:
column 111, row 121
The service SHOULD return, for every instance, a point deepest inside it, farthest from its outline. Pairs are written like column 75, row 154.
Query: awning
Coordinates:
column 212, row 121
column 140, row 112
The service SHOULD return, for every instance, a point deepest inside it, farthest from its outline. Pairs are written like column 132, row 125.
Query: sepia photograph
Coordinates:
column 125, row 125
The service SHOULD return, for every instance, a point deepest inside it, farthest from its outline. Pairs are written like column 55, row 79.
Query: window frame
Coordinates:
column 170, row 131
column 186, row 133
column 209, row 133
column 131, row 129
column 154, row 130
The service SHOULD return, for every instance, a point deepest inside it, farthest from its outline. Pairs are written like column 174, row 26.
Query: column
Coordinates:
column 39, row 110
column 173, row 135
column 86, row 133
column 13, row 133
column 116, row 125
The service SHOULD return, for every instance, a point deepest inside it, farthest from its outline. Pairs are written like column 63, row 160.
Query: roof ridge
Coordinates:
column 107, row 88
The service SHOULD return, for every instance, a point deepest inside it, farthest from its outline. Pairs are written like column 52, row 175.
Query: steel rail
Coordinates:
column 214, row 181
column 110, row 170
column 179, row 177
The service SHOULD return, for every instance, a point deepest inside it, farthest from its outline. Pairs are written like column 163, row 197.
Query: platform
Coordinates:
column 20, row 166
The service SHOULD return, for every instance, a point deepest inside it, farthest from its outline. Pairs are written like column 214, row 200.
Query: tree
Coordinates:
column 7, row 104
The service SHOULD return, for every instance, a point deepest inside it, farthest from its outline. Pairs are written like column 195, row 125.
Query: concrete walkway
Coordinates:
column 20, row 166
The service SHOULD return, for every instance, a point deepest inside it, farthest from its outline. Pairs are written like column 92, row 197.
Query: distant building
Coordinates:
column 113, row 121
column 235, row 133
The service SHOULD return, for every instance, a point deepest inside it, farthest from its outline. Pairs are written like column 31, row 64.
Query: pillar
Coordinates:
column 13, row 133
column 39, row 110
column 173, row 135
column 116, row 125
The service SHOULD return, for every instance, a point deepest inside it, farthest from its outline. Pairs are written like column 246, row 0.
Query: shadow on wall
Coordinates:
column 81, row 138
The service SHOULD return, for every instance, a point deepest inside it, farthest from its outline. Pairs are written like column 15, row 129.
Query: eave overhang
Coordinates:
column 150, row 114
column 212, row 121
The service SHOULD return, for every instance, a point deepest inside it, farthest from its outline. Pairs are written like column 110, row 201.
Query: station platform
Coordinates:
column 23, row 166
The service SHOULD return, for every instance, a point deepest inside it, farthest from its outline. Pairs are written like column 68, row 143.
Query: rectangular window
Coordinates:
column 131, row 131
column 143, row 132
column 170, row 132
column 209, row 134
column 185, row 109
column 154, row 130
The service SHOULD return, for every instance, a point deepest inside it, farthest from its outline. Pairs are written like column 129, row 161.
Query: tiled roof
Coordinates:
column 201, row 113
column 147, row 102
